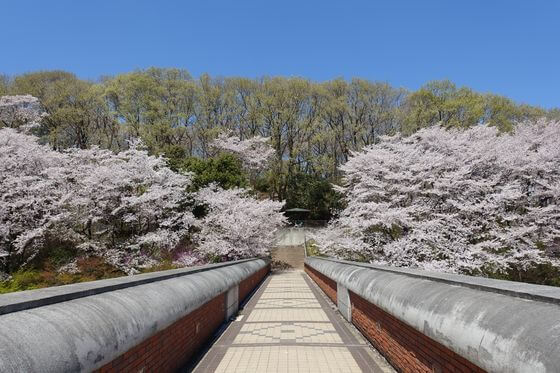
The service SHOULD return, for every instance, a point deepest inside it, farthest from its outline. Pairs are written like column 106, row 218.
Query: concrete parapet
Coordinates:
column 426, row 321
column 82, row 327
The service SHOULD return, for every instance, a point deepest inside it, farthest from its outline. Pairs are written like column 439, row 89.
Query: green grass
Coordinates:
column 312, row 249
column 91, row 269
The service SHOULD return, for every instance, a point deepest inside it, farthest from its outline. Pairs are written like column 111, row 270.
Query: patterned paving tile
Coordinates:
column 287, row 314
column 287, row 286
column 288, row 295
column 288, row 327
column 287, row 303
column 287, row 333
column 288, row 359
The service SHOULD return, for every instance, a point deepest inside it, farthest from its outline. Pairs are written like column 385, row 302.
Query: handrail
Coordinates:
column 24, row 300
column 83, row 327
column 500, row 326
column 542, row 293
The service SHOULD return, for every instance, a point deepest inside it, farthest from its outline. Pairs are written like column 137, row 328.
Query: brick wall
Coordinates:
column 325, row 283
column 173, row 347
column 404, row 347
column 246, row 286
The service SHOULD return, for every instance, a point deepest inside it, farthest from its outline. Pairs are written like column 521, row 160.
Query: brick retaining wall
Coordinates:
column 404, row 347
column 325, row 283
column 248, row 285
column 440, row 322
column 172, row 348
column 151, row 322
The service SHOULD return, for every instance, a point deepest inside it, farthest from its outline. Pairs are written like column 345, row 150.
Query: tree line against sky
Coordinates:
column 313, row 126
column 444, row 192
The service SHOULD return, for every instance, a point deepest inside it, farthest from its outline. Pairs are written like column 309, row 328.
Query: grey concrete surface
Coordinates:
column 289, row 325
column 290, row 236
column 22, row 300
column 543, row 293
column 343, row 302
column 500, row 326
column 84, row 333
column 291, row 257
column 288, row 248
column 232, row 301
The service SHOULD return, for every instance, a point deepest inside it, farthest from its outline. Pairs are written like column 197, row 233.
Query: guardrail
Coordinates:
column 155, row 321
column 436, row 322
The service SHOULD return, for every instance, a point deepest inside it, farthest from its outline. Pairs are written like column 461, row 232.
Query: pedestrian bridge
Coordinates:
column 333, row 316
column 289, row 326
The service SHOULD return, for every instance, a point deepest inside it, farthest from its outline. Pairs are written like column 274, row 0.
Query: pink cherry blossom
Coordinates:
column 453, row 200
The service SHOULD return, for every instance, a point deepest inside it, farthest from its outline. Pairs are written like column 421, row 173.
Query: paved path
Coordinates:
column 290, row 236
column 290, row 326
column 291, row 257
column 289, row 249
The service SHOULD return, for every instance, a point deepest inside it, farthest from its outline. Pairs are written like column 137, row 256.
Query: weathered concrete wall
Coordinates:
column 290, row 236
column 498, row 326
column 83, row 327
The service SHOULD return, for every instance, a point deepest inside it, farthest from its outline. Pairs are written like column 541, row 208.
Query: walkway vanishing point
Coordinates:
column 289, row 325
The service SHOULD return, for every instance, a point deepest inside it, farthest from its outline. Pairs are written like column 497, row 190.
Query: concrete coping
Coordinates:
column 541, row 293
column 83, row 327
column 500, row 326
column 24, row 300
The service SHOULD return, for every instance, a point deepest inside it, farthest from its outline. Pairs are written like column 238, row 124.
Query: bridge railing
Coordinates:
column 149, row 322
column 435, row 322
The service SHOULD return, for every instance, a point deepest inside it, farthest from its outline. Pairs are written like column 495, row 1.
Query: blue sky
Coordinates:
column 507, row 47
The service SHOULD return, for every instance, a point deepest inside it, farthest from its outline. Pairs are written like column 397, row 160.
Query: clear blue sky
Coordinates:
column 507, row 47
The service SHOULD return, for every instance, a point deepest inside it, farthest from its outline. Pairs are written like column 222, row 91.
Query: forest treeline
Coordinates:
column 313, row 126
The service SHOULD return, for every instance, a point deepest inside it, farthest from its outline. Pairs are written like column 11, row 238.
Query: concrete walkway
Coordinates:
column 290, row 236
column 290, row 326
column 289, row 248
column 291, row 257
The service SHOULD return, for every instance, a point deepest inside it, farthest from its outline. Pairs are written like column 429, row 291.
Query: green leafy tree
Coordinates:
column 225, row 170
column 4, row 85
column 554, row 114
column 157, row 105
column 442, row 102
column 503, row 113
column 313, row 193
column 77, row 116
column 313, row 127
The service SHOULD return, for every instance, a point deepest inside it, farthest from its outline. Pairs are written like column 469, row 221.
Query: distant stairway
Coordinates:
column 288, row 253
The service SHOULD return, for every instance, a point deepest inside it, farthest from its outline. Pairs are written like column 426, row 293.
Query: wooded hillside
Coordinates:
column 313, row 126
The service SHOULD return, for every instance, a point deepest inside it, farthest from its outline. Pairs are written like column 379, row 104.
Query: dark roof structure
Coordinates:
column 297, row 209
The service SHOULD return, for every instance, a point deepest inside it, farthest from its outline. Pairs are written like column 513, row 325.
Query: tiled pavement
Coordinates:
column 290, row 326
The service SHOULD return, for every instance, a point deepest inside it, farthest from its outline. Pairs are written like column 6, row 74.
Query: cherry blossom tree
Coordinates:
column 128, row 208
column 29, row 196
column 130, row 199
column 236, row 224
column 125, row 207
column 23, row 112
column 465, row 201
column 255, row 152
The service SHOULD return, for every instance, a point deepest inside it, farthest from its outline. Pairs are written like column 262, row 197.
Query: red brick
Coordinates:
column 171, row 348
column 406, row 348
